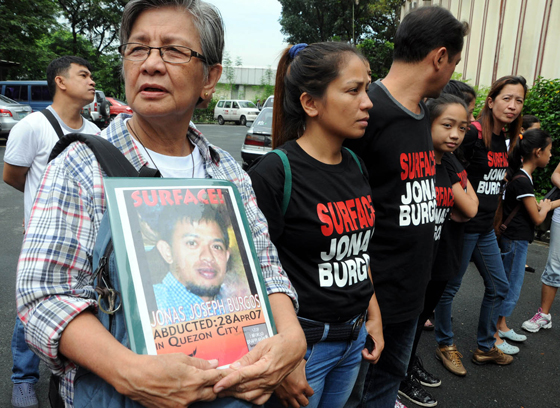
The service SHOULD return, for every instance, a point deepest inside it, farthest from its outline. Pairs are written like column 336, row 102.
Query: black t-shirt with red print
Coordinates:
column 445, row 201
column 448, row 256
column 398, row 151
column 323, row 238
column 486, row 171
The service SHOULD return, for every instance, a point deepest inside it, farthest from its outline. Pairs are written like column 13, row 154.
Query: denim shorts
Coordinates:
column 551, row 274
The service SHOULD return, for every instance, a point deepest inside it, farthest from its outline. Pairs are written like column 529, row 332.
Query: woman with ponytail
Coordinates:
column 320, row 217
column 520, row 214
column 486, row 154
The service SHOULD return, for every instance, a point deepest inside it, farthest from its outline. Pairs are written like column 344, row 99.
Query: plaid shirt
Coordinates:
column 170, row 293
column 54, row 282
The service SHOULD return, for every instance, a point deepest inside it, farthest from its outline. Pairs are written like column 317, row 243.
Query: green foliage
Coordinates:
column 23, row 22
column 267, row 86
column 543, row 101
column 374, row 26
column 380, row 56
column 205, row 115
column 33, row 35
column 229, row 71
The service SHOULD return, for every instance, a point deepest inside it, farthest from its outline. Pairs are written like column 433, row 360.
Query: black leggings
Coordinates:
column 434, row 290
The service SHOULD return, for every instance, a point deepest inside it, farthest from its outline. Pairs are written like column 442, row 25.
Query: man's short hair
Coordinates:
column 171, row 215
column 425, row 29
column 60, row 66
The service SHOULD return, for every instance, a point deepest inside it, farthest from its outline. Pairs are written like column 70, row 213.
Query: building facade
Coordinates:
column 507, row 37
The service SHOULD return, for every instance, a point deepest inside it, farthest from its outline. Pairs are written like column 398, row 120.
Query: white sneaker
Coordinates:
column 537, row 322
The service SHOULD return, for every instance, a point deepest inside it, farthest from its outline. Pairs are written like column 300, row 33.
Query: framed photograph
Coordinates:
column 189, row 275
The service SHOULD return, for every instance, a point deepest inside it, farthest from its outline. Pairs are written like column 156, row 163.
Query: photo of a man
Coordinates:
column 195, row 246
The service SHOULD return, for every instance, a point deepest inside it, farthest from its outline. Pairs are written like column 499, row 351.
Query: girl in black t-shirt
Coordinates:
column 531, row 152
column 323, row 231
column 487, row 156
column 449, row 122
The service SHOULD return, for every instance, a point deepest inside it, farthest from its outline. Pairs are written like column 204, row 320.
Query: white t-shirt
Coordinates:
column 29, row 145
column 174, row 166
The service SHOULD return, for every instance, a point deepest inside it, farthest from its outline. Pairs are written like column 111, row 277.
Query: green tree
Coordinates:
column 543, row 101
column 375, row 25
column 23, row 22
column 98, row 20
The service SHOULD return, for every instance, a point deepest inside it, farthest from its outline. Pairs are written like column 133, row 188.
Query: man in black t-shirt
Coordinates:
column 398, row 152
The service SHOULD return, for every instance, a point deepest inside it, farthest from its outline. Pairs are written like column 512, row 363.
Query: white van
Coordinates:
column 239, row 111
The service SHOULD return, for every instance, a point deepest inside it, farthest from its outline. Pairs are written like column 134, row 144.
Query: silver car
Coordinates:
column 10, row 113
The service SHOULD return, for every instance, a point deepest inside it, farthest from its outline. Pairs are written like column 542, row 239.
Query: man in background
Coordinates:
column 27, row 151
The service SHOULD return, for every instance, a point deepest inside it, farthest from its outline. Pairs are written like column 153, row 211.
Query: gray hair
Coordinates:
column 207, row 20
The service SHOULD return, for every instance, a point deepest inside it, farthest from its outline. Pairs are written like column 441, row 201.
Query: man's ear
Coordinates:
column 164, row 250
column 441, row 56
column 309, row 105
column 214, row 74
column 59, row 81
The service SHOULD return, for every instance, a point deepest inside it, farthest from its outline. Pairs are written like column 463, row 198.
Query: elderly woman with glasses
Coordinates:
column 172, row 53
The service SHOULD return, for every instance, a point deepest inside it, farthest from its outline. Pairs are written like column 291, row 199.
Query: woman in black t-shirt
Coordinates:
column 485, row 150
column 321, row 218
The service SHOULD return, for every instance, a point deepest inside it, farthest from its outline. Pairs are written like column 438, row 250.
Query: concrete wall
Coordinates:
column 507, row 37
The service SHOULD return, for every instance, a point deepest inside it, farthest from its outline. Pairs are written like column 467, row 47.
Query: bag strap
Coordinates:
column 478, row 127
column 287, row 178
column 355, row 158
column 111, row 159
column 515, row 210
column 54, row 123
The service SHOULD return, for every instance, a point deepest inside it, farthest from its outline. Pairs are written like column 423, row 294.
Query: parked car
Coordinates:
column 33, row 93
column 258, row 140
column 10, row 113
column 100, row 110
column 86, row 113
column 116, row 107
column 269, row 102
column 239, row 111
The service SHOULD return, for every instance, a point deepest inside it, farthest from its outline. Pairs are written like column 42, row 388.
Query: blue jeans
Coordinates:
column 26, row 363
column 514, row 256
column 485, row 252
column 378, row 384
column 331, row 370
column 551, row 273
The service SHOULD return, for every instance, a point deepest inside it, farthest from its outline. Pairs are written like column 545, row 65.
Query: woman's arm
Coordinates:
column 466, row 202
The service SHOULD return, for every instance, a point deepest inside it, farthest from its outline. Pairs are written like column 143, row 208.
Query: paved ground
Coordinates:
column 531, row 381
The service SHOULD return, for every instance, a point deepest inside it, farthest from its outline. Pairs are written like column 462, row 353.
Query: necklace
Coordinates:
column 129, row 125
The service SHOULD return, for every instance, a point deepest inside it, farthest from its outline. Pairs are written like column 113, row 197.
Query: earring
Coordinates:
column 205, row 93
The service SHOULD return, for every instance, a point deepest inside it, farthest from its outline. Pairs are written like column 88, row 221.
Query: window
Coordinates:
column 235, row 105
column 228, row 105
column 16, row 92
column 220, row 104
column 40, row 93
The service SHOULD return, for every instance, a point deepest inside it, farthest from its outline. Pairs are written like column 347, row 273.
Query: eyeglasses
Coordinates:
column 172, row 54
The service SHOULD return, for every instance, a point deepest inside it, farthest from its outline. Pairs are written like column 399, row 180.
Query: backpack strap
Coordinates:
column 54, row 123
column 287, row 178
column 111, row 159
column 355, row 158
column 478, row 127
